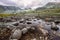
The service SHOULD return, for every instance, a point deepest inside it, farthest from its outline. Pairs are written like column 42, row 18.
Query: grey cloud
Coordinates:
column 8, row 2
column 21, row 3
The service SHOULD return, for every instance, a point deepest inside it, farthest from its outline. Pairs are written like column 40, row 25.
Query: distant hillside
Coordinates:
column 50, row 5
column 53, row 5
column 8, row 8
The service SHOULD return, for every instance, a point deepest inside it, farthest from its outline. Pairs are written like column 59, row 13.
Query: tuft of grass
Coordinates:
column 6, row 15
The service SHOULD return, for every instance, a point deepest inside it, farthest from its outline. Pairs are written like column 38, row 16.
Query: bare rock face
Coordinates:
column 17, row 34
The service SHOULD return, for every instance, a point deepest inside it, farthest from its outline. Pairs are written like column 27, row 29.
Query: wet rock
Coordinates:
column 55, row 28
column 21, row 21
column 28, row 19
column 57, row 22
column 16, row 24
column 29, row 23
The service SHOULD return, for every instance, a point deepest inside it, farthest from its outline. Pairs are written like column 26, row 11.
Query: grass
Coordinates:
column 45, row 12
column 6, row 15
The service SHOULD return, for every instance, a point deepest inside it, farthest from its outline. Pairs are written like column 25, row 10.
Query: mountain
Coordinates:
column 8, row 8
column 53, row 5
column 50, row 5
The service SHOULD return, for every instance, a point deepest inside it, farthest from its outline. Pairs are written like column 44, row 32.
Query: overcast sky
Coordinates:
column 26, row 3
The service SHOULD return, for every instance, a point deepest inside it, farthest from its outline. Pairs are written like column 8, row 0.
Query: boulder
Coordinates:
column 17, row 34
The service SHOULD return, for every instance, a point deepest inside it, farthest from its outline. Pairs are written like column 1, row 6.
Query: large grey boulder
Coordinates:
column 17, row 34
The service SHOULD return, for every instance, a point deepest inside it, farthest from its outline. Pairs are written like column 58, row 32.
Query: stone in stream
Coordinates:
column 54, row 27
column 29, row 23
column 57, row 21
column 16, row 24
column 21, row 21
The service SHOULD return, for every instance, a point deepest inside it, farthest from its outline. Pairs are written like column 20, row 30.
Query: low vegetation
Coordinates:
column 45, row 12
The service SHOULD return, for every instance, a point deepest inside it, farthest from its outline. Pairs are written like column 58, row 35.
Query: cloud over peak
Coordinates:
column 26, row 3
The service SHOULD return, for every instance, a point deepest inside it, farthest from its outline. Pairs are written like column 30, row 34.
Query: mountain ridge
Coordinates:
column 50, row 5
column 8, row 8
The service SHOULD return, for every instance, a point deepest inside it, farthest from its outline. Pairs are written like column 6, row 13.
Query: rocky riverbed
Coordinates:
column 29, row 29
